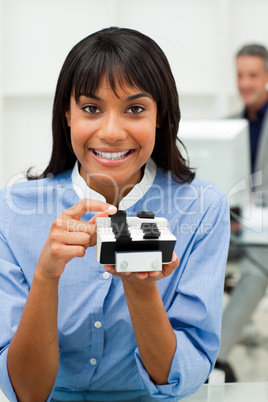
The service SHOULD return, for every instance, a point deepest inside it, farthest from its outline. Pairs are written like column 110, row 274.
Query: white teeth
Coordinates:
column 111, row 155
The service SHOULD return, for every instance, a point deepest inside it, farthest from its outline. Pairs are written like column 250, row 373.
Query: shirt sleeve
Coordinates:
column 13, row 294
column 14, row 291
column 196, row 311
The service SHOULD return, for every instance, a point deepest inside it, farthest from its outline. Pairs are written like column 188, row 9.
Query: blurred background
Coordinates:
column 200, row 39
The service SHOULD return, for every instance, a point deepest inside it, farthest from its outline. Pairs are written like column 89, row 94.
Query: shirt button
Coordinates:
column 97, row 324
column 93, row 361
column 106, row 275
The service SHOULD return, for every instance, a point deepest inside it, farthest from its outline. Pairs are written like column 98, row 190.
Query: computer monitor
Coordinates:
column 219, row 150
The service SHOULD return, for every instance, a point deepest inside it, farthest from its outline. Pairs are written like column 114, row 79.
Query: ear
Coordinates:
column 266, row 85
column 68, row 116
column 158, row 121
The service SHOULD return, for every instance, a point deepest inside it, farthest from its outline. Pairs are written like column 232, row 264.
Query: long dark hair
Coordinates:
column 125, row 56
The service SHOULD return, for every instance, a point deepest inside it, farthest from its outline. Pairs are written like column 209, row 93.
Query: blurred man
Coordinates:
column 252, row 82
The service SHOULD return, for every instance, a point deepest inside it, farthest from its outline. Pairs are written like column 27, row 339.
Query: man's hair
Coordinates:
column 255, row 50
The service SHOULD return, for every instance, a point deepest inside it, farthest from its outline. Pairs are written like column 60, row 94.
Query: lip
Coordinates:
column 111, row 162
column 247, row 91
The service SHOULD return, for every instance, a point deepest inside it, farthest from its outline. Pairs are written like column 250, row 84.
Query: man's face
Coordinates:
column 251, row 80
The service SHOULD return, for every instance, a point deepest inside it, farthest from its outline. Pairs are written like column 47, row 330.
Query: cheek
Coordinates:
column 145, row 135
column 262, row 84
column 146, row 143
column 80, row 133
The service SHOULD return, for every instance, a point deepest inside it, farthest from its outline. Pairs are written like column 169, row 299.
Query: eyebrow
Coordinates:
column 137, row 96
column 128, row 99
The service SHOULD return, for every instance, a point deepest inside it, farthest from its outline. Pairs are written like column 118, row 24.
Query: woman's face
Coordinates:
column 112, row 136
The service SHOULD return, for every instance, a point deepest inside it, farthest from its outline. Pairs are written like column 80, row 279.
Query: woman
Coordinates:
column 71, row 328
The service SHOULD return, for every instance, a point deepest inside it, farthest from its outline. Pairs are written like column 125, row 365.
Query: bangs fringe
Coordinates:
column 90, row 72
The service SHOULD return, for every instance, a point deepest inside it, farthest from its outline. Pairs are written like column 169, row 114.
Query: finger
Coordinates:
column 126, row 273
column 155, row 274
column 175, row 261
column 67, row 252
column 76, row 238
column 110, row 268
column 85, row 205
column 100, row 215
column 141, row 275
column 169, row 268
column 73, row 225
column 60, row 236
column 75, row 251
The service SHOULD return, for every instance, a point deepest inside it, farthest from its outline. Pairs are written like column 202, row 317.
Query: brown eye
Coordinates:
column 91, row 109
column 135, row 109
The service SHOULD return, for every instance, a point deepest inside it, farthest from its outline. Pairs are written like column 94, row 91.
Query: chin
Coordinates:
column 249, row 102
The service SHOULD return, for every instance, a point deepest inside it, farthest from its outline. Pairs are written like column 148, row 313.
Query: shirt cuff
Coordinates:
column 187, row 374
column 5, row 383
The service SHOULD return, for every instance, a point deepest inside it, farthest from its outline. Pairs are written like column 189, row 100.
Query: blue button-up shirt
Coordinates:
column 99, row 358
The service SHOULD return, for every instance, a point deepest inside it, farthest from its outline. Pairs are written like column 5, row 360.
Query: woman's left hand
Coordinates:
column 151, row 276
column 154, row 334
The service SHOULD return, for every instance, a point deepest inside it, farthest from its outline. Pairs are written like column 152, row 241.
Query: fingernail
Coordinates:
column 174, row 257
column 111, row 208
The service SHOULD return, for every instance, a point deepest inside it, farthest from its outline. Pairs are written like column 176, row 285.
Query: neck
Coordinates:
column 115, row 192
column 253, row 109
column 112, row 195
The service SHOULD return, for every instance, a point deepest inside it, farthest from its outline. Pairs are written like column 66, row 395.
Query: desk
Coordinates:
column 252, row 241
column 2, row 397
column 250, row 238
column 254, row 227
column 231, row 392
column 249, row 250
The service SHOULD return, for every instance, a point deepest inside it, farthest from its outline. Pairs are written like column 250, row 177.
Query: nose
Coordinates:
column 112, row 128
column 244, row 82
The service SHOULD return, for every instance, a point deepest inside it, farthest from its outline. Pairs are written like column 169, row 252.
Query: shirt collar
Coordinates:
column 262, row 110
column 83, row 191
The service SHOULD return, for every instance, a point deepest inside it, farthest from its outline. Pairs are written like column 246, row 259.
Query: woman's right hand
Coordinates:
column 69, row 237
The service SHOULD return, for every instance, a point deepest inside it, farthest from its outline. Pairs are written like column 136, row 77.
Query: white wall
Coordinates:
column 200, row 38
column 1, row 105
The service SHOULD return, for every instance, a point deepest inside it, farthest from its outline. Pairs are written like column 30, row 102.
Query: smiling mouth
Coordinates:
column 112, row 156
